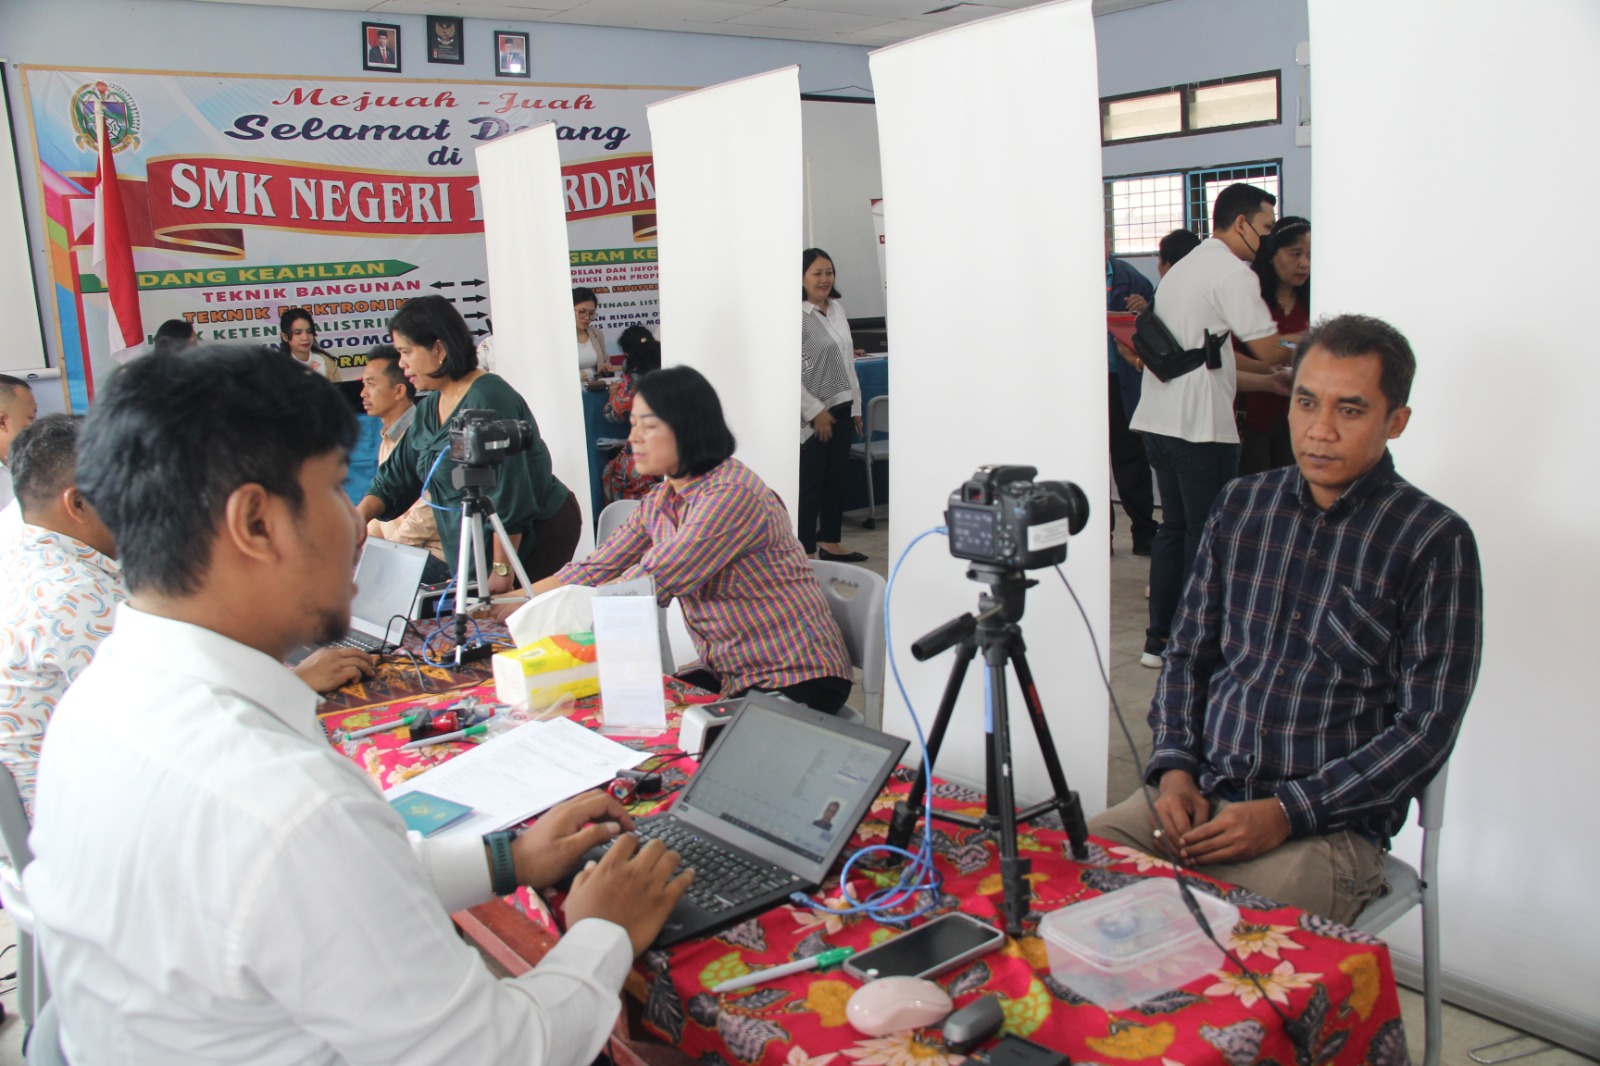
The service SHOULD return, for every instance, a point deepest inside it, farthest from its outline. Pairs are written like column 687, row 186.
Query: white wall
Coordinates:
column 1501, row 431
column 950, row 140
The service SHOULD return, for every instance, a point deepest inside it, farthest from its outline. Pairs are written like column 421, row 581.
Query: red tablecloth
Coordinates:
column 1337, row 981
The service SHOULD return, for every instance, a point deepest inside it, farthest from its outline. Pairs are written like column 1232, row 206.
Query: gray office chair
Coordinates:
column 869, row 451
column 44, row 1040
column 31, row 988
column 612, row 516
column 1407, row 889
column 855, row 596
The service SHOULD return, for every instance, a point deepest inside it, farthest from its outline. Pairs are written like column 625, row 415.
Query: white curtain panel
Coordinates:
column 728, row 211
column 990, row 140
column 1436, row 130
column 525, row 233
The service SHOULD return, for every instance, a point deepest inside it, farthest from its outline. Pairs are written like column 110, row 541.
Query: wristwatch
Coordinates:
column 502, row 871
column 500, row 569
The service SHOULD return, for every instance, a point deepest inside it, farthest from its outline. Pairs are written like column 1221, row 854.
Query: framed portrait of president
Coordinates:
column 445, row 40
column 380, row 46
column 510, row 54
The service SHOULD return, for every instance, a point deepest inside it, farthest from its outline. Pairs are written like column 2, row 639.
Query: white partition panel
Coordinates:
column 1502, row 431
column 990, row 140
column 525, row 233
column 728, row 207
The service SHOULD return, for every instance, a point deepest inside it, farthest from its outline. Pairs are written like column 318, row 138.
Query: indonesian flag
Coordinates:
column 113, row 253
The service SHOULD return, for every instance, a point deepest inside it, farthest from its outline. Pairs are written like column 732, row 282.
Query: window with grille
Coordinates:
column 1199, row 107
column 1143, row 208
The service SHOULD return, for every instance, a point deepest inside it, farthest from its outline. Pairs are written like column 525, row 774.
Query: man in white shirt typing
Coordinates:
column 1189, row 432
column 212, row 882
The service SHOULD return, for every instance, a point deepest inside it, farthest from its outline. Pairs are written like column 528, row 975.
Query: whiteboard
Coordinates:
column 842, row 178
column 17, row 307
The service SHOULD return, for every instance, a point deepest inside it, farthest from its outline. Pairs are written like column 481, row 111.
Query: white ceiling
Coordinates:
column 858, row 22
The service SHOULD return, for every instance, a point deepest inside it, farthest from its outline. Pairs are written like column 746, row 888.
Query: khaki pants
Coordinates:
column 1335, row 875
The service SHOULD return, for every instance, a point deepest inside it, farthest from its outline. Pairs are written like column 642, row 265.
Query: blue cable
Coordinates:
column 429, row 478
column 919, row 875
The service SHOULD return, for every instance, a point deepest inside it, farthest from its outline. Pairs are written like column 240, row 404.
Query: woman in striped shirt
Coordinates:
column 717, row 539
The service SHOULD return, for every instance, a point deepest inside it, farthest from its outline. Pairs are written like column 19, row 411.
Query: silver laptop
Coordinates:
column 387, row 579
column 770, row 810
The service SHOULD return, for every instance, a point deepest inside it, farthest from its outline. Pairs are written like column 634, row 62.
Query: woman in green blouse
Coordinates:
column 540, row 513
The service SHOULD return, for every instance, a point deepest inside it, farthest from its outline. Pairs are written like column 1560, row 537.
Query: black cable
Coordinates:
column 1302, row 1050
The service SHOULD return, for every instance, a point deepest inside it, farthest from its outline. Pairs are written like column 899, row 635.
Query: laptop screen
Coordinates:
column 386, row 585
column 791, row 778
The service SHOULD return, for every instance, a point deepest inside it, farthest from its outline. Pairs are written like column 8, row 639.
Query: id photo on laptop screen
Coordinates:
column 790, row 782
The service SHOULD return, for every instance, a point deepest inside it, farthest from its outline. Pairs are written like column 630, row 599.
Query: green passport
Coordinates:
column 428, row 814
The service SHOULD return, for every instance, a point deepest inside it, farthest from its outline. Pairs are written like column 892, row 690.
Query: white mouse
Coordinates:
column 891, row 1004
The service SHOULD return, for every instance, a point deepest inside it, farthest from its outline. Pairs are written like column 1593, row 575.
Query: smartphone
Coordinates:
column 942, row 944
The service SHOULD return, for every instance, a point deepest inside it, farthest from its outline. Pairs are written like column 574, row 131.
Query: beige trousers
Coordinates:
column 1333, row 875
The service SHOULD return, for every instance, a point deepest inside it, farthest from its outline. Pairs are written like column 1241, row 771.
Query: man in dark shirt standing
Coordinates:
column 1324, row 652
column 1126, row 287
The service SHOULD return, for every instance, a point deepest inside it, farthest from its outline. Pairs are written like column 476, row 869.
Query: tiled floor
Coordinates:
column 1133, row 685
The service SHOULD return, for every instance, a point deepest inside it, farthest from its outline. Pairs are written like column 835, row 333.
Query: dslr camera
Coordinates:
column 478, row 438
column 1003, row 518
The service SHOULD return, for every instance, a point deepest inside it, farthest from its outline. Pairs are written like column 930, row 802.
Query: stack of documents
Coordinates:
column 520, row 773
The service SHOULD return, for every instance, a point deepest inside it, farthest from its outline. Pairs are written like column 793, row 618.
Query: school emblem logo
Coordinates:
column 122, row 115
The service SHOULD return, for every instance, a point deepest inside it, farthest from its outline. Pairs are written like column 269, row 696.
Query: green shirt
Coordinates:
column 526, row 491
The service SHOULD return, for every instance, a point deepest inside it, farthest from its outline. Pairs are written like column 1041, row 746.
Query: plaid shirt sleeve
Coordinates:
column 617, row 556
column 1178, row 711
column 1441, row 633
column 722, row 523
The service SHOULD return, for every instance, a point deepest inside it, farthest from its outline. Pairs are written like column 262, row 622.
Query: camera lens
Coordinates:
column 1077, row 503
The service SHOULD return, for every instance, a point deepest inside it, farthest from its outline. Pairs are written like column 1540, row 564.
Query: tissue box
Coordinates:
column 546, row 672
column 1129, row 945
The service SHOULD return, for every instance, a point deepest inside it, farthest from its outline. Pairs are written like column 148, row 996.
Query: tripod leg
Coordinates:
column 1003, row 801
column 480, row 553
column 511, row 551
column 908, row 810
column 463, row 554
column 1067, row 801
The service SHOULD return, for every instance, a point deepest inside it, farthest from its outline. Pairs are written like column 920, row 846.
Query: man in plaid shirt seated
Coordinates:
column 1324, row 653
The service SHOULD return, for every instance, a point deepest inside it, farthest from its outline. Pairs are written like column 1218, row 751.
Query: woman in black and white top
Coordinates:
column 830, row 409
column 593, row 361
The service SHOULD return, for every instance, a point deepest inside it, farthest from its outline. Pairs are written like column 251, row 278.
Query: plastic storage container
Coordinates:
column 1135, row 943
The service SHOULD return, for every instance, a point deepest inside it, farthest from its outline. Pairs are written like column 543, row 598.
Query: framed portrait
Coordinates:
column 444, row 39
column 510, row 54
column 380, row 46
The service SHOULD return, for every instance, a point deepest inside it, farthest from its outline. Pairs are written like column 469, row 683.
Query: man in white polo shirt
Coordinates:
column 1188, row 427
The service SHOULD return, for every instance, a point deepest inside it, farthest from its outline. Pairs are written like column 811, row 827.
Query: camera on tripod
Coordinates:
column 1003, row 518
column 477, row 438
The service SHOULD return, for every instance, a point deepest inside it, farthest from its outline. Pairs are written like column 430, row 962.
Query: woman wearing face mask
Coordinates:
column 1284, row 267
column 299, row 334
column 830, row 409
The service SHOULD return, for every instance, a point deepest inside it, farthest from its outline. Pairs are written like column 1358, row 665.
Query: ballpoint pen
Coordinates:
column 821, row 961
column 460, row 734
column 383, row 728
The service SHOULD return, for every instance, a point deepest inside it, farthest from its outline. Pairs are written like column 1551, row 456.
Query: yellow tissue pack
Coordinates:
column 548, row 672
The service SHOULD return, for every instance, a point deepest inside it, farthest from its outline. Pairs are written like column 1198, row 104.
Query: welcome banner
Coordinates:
column 249, row 195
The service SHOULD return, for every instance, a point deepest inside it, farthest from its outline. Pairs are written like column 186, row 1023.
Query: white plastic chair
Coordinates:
column 1407, row 888
column 855, row 596
column 32, row 990
column 612, row 516
column 869, row 451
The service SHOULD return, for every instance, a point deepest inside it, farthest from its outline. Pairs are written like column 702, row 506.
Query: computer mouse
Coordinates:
column 891, row 1004
column 973, row 1024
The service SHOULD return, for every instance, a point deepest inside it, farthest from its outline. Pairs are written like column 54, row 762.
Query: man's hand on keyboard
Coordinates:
column 329, row 668
column 631, row 886
column 553, row 847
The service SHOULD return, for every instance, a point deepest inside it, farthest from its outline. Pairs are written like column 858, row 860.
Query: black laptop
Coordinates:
column 769, row 811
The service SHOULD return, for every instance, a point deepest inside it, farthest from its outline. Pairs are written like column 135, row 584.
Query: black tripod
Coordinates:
column 995, row 629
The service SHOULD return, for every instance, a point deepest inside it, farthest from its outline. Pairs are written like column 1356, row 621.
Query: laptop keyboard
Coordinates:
column 723, row 879
column 359, row 641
